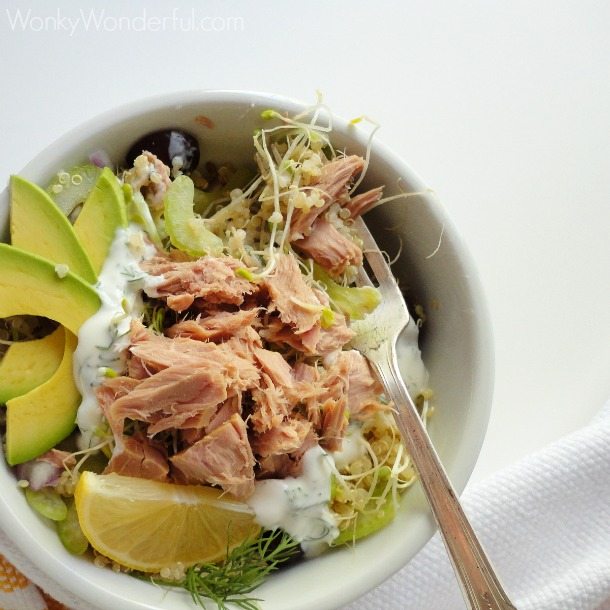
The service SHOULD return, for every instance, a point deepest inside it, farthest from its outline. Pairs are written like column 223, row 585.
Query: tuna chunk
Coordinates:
column 282, row 465
column 364, row 388
column 333, row 405
column 111, row 390
column 229, row 407
column 151, row 177
column 176, row 397
column 223, row 457
column 156, row 352
column 361, row 204
column 210, row 278
column 285, row 438
column 335, row 336
column 333, row 185
column 140, row 458
column 330, row 249
column 315, row 342
column 218, row 326
column 271, row 406
column 334, row 422
column 275, row 366
column 295, row 301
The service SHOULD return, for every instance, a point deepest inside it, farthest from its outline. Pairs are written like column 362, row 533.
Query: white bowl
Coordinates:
column 456, row 344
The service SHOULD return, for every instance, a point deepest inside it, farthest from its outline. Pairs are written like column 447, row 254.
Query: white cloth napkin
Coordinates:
column 545, row 523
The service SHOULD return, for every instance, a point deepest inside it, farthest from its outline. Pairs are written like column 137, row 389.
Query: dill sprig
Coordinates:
column 244, row 569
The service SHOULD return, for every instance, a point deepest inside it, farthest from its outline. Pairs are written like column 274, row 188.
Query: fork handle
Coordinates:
column 480, row 585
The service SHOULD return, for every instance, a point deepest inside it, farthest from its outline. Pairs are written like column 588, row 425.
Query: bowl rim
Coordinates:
column 465, row 458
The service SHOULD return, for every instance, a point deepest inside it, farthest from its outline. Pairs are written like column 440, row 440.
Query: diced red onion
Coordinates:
column 100, row 158
column 38, row 473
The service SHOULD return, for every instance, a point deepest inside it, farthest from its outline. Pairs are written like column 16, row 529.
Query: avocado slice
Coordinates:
column 38, row 226
column 367, row 524
column 102, row 214
column 27, row 364
column 38, row 420
column 31, row 285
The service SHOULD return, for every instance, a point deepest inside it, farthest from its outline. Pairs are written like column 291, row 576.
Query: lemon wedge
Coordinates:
column 147, row 525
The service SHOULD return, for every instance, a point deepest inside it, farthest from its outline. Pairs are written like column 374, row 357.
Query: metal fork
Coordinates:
column 376, row 339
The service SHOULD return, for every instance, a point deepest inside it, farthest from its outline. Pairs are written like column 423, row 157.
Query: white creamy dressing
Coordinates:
column 352, row 447
column 299, row 505
column 410, row 361
column 104, row 337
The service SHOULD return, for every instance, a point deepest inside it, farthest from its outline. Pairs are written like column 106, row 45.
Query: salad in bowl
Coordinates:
column 182, row 402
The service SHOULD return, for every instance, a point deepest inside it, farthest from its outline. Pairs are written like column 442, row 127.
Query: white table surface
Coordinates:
column 503, row 108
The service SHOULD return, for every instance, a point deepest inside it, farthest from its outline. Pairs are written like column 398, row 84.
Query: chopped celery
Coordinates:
column 70, row 189
column 246, row 274
column 70, row 533
column 354, row 302
column 187, row 231
column 47, row 502
column 139, row 212
column 327, row 317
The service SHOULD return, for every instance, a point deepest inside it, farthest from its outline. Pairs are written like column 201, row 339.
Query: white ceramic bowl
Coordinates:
column 456, row 343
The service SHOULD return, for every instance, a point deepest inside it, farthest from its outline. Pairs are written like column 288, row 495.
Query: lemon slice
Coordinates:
column 147, row 525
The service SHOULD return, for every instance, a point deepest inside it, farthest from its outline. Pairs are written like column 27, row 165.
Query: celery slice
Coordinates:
column 71, row 188
column 47, row 502
column 354, row 302
column 186, row 230
column 70, row 533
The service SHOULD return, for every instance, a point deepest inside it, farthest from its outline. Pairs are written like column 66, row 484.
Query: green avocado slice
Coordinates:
column 367, row 524
column 38, row 226
column 27, row 364
column 30, row 285
column 102, row 214
column 38, row 420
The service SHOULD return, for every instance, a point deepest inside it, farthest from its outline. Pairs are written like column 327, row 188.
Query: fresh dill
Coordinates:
column 243, row 570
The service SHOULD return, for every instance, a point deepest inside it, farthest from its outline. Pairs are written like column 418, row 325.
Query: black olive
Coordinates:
column 168, row 144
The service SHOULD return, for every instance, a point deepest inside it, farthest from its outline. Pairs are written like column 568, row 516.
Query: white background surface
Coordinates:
column 503, row 108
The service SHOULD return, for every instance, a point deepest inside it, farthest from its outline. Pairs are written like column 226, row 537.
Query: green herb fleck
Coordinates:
column 245, row 273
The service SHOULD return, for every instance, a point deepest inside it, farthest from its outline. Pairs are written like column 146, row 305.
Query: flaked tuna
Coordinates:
column 362, row 203
column 229, row 407
column 332, row 413
column 280, row 465
column 271, row 406
column 139, row 457
column 291, row 297
column 210, row 278
column 334, row 423
column 364, row 389
column 331, row 249
column 287, row 437
column 274, row 364
column 176, row 397
column 223, row 458
column 157, row 352
column 332, row 186
column 150, row 176
column 217, row 326
column 315, row 342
